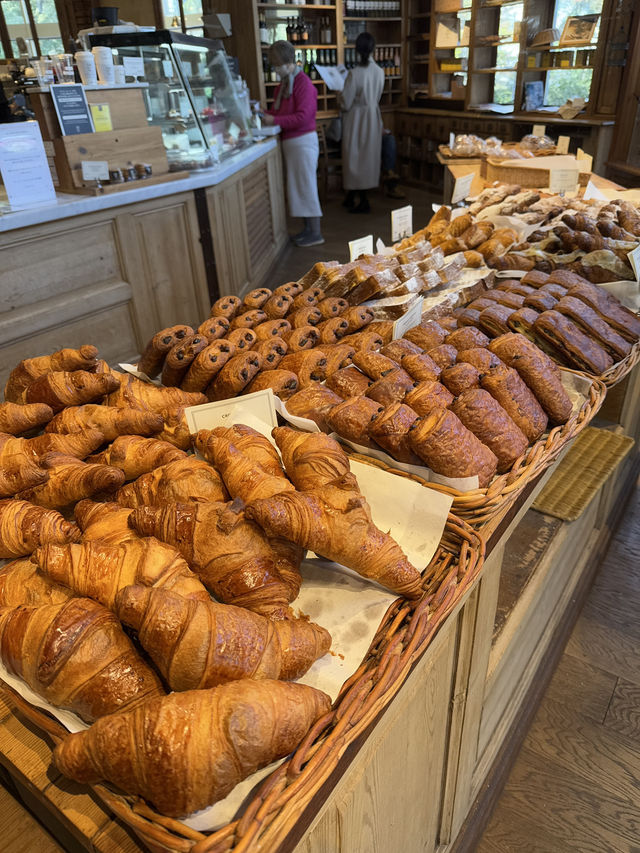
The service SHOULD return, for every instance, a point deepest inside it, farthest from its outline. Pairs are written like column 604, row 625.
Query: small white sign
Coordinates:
column 462, row 187
column 587, row 160
column 23, row 164
column 563, row 180
column 452, row 139
column 562, row 146
column 95, row 170
column 361, row 246
column 133, row 66
column 539, row 130
column 634, row 259
column 408, row 320
column 401, row 223
column 256, row 410
column 435, row 207
column 167, row 67
column 592, row 191
column 234, row 131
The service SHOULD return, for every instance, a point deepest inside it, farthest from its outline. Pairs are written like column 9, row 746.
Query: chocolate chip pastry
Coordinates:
column 460, row 377
column 374, row 364
column 234, row 376
column 314, row 402
column 226, row 306
column 494, row 320
column 390, row 430
column 467, row 338
column 565, row 336
column 352, row 419
column 420, row 366
column 428, row 395
column 391, row 388
column 489, row 422
column 348, row 382
column 308, row 365
column 593, row 325
column 283, row 383
column 505, row 385
column 444, row 356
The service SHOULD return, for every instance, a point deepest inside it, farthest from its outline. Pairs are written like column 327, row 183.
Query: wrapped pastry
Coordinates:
column 207, row 364
column 235, row 376
column 460, row 377
column 242, row 339
column 420, row 366
column 290, row 288
column 522, row 321
column 494, row 320
column 444, row 443
column 332, row 306
column 214, row 328
column 181, row 357
column 272, row 329
column 535, row 278
column 538, row 372
column 391, row 431
column 338, row 356
column 594, row 326
column 482, row 359
column 256, row 298
column 332, row 330
column 374, row 364
column 540, row 301
column 308, row 365
column 305, row 317
column 272, row 351
column 391, row 388
column 307, row 299
column 428, row 395
column 277, row 306
column 248, row 320
column 467, row 317
column 364, row 340
column 505, row 385
column 567, row 337
column 444, row 356
column 352, row 419
column 305, row 337
column 467, row 338
column 348, row 382
column 623, row 321
column 427, row 335
column 155, row 351
column 314, row 402
column 489, row 422
column 283, row 383
column 357, row 318
column 226, row 306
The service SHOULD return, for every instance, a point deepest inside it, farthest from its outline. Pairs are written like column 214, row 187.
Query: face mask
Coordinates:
column 282, row 70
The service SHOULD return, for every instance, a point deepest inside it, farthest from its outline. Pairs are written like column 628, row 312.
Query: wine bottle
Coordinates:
column 305, row 65
column 264, row 32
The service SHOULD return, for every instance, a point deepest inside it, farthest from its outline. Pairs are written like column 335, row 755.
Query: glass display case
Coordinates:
column 204, row 112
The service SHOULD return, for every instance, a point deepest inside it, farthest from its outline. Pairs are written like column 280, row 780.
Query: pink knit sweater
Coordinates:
column 297, row 114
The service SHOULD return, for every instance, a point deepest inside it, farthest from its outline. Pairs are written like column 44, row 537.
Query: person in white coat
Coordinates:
column 361, row 127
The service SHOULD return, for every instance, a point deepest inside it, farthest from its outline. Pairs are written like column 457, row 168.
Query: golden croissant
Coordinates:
column 136, row 394
column 99, row 570
column 230, row 554
column 76, row 656
column 16, row 419
column 135, row 455
column 185, row 751
column 18, row 451
column 200, row 644
column 22, row 583
column 68, row 388
column 70, row 480
column 254, row 445
column 335, row 522
column 108, row 522
column 185, row 480
column 24, row 526
column 175, row 429
column 15, row 480
column 310, row 458
column 109, row 420
column 30, row 369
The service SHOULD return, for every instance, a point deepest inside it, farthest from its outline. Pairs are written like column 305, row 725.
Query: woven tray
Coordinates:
column 404, row 633
column 589, row 462
column 619, row 370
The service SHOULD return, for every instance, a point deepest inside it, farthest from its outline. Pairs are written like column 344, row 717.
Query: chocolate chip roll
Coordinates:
column 277, row 306
column 272, row 329
column 391, row 388
column 535, row 278
column 338, row 356
column 180, row 358
column 234, row 376
column 283, row 383
column 593, row 325
column 444, row 356
column 460, row 377
column 304, row 317
column 332, row 330
column 426, row 335
column 272, row 351
column 256, row 298
column 467, row 338
column 540, row 301
column 352, row 418
column 623, row 321
column 420, row 366
column 383, row 328
column 505, row 385
column 242, row 339
column 364, row 340
column 305, row 337
column 357, row 317
column 395, row 350
column 565, row 336
column 489, row 422
column 348, row 382
column 290, row 288
column 428, row 395
column 248, row 320
column 522, row 321
column 482, row 359
column 308, row 365
column 226, row 306
column 207, row 365
column 214, row 328
column 332, row 306
column 494, row 320
column 390, row 430
column 307, row 299
column 156, row 350
column 444, row 443
column 313, row 402
column 374, row 364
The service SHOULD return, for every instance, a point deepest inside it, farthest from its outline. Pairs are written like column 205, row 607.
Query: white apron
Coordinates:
column 301, row 164
column 362, row 127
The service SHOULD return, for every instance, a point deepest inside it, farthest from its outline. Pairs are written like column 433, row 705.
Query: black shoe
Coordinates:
column 363, row 207
column 349, row 200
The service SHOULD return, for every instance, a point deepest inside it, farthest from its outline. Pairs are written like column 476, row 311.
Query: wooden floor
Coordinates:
column 575, row 785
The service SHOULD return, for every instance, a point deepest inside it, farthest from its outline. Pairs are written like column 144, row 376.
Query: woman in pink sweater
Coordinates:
column 294, row 110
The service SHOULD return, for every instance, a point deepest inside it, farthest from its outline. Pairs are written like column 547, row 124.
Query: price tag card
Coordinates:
column 361, row 246
column 587, row 160
column 256, row 410
column 634, row 258
column 95, row 170
column 408, row 320
column 592, row 191
column 462, row 187
column 539, row 130
column 563, row 180
column 562, row 146
column 133, row 66
column 381, row 249
column 101, row 114
column 452, row 139
column 401, row 223
column 23, row 164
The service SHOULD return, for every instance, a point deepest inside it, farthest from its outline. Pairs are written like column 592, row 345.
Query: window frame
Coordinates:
column 5, row 36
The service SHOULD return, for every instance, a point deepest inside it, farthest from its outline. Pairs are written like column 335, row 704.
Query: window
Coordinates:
column 185, row 15
column 573, row 82
column 35, row 21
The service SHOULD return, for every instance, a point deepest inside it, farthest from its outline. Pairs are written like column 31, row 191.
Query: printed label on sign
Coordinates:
column 401, row 223
column 587, row 160
column 634, row 258
column 562, row 146
column 23, row 164
column 95, row 170
column 361, row 246
column 563, row 180
column 412, row 318
column 462, row 187
column 257, row 410
column 539, row 130
column 133, row 66
column 101, row 114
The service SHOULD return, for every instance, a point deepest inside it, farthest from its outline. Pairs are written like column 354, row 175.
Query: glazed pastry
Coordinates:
column 70, row 480
column 22, row 583
column 108, row 522
column 512, row 299
column 30, row 369
column 420, row 366
column 426, row 336
column 489, row 422
column 214, row 328
column 374, row 364
column 507, row 388
column 460, row 377
column 428, row 395
column 313, row 402
column 256, row 298
column 348, row 382
column 555, row 290
column 480, row 304
column 448, row 323
column 567, row 337
column 338, row 356
column 61, row 388
column 24, row 527
column 382, row 328
column 305, row 337
column 513, row 285
column 307, row 365
column 482, row 359
column 235, row 376
column 241, row 339
column 391, row 388
column 390, row 430
column 311, row 459
column 494, row 320
column 254, row 445
column 180, row 358
column 283, row 383
column 272, row 329
column 16, row 419
column 623, row 321
column 352, row 418
column 522, row 321
column 332, row 330
column 272, row 352
column 226, row 306
column 357, row 318
column 290, row 288
column 468, row 317
column 154, row 353
column 111, row 421
column 566, row 278
column 332, row 306
column 307, row 299
column 187, row 479
column 135, row 394
column 248, row 320
column 135, row 455
column 535, row 278
column 444, row 443
column 540, row 301
column 364, row 340
column 305, row 317
column 467, row 338
column 14, row 481
column 207, row 364
column 276, row 307
column 176, row 430
column 444, row 356
column 395, row 350
column 15, row 452
column 594, row 326
column 538, row 372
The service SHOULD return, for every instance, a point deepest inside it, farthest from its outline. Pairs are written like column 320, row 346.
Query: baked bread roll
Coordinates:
column 207, row 364
column 482, row 359
column 332, row 306
column 505, row 385
column 305, row 337
column 70, row 480
column 594, row 326
column 30, row 369
column 313, row 403
column 59, row 389
column 108, row 522
column 235, row 376
column 135, row 455
column 241, row 339
column 248, row 320
column 15, row 452
column 176, row 429
column 272, row 329
column 468, row 316
column 290, row 288
column 226, row 306
column 256, row 298
column 374, row 364
column 428, row 395
column 272, row 352
column 444, row 355
column 187, row 479
column 391, row 388
column 395, row 350
column 494, row 320
column 283, row 383
column 22, row 583
column 364, row 340
column 522, row 321
column 135, row 394
column 427, row 335
column 305, row 317
column 332, row 330
column 307, row 365
column 14, row 481
column 180, row 358
column 311, row 459
column 467, row 338
column 338, row 356
column 253, row 444
column 420, row 366
column 540, row 301
column 623, row 321
column 443, row 443
column 214, row 328
column 390, row 430
column 348, row 382
column 16, row 419
column 567, row 337
column 460, row 377
column 489, row 422
column 24, row 527
column 555, row 290
column 277, row 306
column 535, row 278
column 352, row 418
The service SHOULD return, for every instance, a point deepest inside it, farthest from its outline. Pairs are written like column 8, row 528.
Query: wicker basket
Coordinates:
column 620, row 369
column 513, row 172
column 403, row 635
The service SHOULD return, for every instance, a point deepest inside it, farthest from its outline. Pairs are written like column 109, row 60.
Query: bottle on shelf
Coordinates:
column 314, row 61
column 289, row 31
column 262, row 27
column 305, row 64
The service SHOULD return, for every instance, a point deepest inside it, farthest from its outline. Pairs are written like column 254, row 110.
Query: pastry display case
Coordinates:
column 192, row 95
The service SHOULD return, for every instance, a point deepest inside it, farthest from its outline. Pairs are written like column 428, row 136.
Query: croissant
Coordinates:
column 22, row 583
column 15, row 480
column 155, row 351
column 175, row 430
column 109, row 420
column 185, row 480
column 226, row 306
column 19, row 451
column 63, row 388
column 230, row 554
column 70, row 480
column 108, row 522
column 30, row 369
column 335, row 522
column 187, row 750
column 16, row 418
column 310, row 458
column 76, row 655
column 180, row 358
column 135, row 455
column 133, row 393
column 254, row 445
column 98, row 570
column 204, row 644
column 23, row 527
